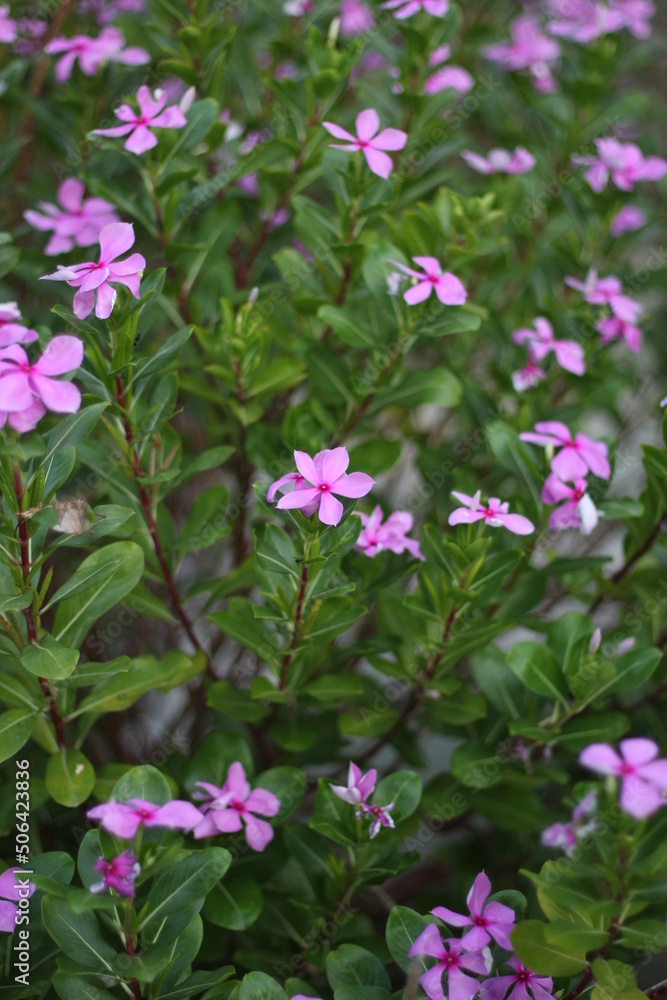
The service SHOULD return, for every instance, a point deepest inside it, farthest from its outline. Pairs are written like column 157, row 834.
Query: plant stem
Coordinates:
column 287, row 659
column 621, row 573
column 129, row 947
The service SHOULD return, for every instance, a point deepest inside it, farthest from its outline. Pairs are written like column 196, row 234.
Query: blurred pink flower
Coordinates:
column 392, row 535
column 235, row 806
column 627, row 220
column 93, row 280
column 355, row 17
column 607, row 291
column 495, row 920
column 447, row 286
column 12, row 331
column 75, row 221
column 93, row 53
column 530, row 50
column 452, row 958
column 13, row 887
column 359, row 786
column 28, row 389
column 105, row 11
column 569, row 354
column 529, row 376
column 501, row 161
column 577, row 511
column 612, row 328
column 371, row 142
column 297, row 8
column 449, row 78
column 624, row 162
column 522, row 985
column 379, row 816
column 123, row 819
column 495, row 514
column 643, row 778
column 583, row 20
column 577, row 456
column 323, row 476
column 566, row 835
column 152, row 114
column 636, row 15
column 407, row 8
column 8, row 29
column 118, row 874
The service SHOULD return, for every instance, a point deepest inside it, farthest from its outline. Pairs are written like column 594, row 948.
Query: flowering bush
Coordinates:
column 332, row 291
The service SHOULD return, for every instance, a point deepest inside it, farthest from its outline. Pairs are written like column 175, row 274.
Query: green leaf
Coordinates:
column 48, row 658
column 78, row 935
column 538, row 669
column 71, row 987
column 334, row 688
column 70, row 777
column 332, row 817
column 345, row 325
column 145, row 674
column 143, row 782
column 16, row 728
column 288, row 784
column 258, row 986
column 69, row 431
column 16, row 602
column 404, row 789
column 235, row 903
column 350, row 965
column 614, row 981
column 207, row 521
column 403, row 928
column 182, row 885
column 197, row 983
column 277, row 377
column 362, row 993
column 239, row 623
column 543, row 955
column 437, row 386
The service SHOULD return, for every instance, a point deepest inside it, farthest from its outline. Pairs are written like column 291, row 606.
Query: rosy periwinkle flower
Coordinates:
column 577, row 456
column 93, row 53
column 452, row 958
column 522, row 985
column 495, row 920
column 371, row 142
column 359, row 786
column 607, row 291
column 75, row 221
column 408, row 8
column 624, row 162
column 541, row 340
column 529, row 376
column 583, row 20
column 123, row 819
column 643, row 777
column 8, row 29
column 566, row 835
column 449, row 78
column 495, row 514
column 234, row 807
column 28, row 389
column 118, row 874
column 636, row 15
column 612, row 328
column 12, row 331
column 152, row 114
column 377, row 537
column 324, row 475
column 447, row 286
column 93, row 281
column 501, row 161
column 576, row 510
column 627, row 220
column 355, row 17
column 530, row 50
column 13, row 887
column 379, row 817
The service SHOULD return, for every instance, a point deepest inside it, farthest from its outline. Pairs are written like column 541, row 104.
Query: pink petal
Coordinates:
column 463, row 516
column 237, row 782
column 226, row 820
column 463, row 498
column 263, row 802
column 655, row 773
column 178, row 815
column 461, row 987
column 390, row 138
column 37, row 221
column 288, row 480
column 570, row 356
column 304, row 464
column 367, row 123
column 148, row 106
column 121, row 820
column 60, row 397
column 475, row 939
column 450, row 291
column 554, row 427
column 639, row 798
column 637, row 750
column 170, row 118
column 431, row 981
column 133, row 56
column 450, row 917
column 429, row 942
column 478, row 894
column 594, row 453
column 517, row 524
column 477, row 162
column 430, row 264
column 298, row 499
column 115, row 132
column 106, row 300
column 356, row 485
column 115, row 239
column 331, row 510
column 418, row 293
column 567, row 465
column 141, row 140
column 131, row 265
column 83, row 304
column 334, row 465
column 7, row 917
column 379, row 163
column 205, row 828
column 602, row 758
column 554, row 490
column 15, row 392
column 258, row 833
column 93, row 279
column 338, row 133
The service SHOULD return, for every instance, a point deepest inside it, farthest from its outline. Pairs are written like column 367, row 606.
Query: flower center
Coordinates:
column 627, row 769
column 363, row 144
column 480, row 921
column 239, row 806
column 324, row 487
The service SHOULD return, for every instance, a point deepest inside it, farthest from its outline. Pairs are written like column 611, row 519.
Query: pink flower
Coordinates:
column 407, row 8
column 452, row 957
column 12, row 332
column 28, row 390
column 583, row 20
column 627, row 220
column 355, row 17
column 495, row 921
column 643, row 778
column 123, row 819
column 13, row 887
column 379, row 817
column 529, row 376
column 524, row 985
column 501, row 161
column 636, row 15
column 578, row 510
column 118, row 874
column 569, row 354
column 566, row 835
column 530, row 50
column 77, row 222
column 370, row 141
column 607, row 291
column 359, row 786
column 297, row 8
column 447, row 286
column 377, row 537
column 94, row 280
column 152, row 114
column 230, row 808
column 623, row 162
column 322, row 476
column 578, row 455
column 8, row 30
column 92, row 53
column 612, row 328
column 495, row 514
column 449, row 78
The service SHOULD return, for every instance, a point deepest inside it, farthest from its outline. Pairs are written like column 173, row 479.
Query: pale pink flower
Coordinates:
column 379, row 817
column 583, row 20
column 501, row 161
column 123, row 819
column 643, row 778
column 530, row 50
column 371, row 142
column 627, row 220
column 577, row 510
column 408, row 8
column 355, row 18
column 624, row 162
column 323, row 476
column 359, row 786
column 8, row 29
column 12, row 331
column 93, row 53
column 30, row 31
column 495, row 514
column 636, row 15
column 566, row 835
column 28, row 389
column 93, row 281
column 297, row 8
column 541, row 340
column 75, row 221
column 449, row 78
column 118, row 874
column 495, row 920
column 447, row 286
column 152, row 114
column 234, row 807
column 612, row 328
column 577, row 455
column 377, row 537
column 14, row 886
column 522, row 985
column 529, row 376
column 452, row 958
column 607, row 291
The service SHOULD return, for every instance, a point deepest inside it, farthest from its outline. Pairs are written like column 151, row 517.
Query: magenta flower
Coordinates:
column 643, row 778
column 407, row 8
column 607, row 291
column 493, row 921
column 377, row 537
column 523, row 985
column 379, row 817
column 94, row 280
column 627, row 220
column 452, row 957
column 577, row 510
column 323, row 476
column 8, row 29
column 529, row 376
column 28, row 389
column 355, row 18
column 11, row 331
column 501, row 161
column 623, row 162
column 74, row 221
column 234, row 806
column 123, row 819
column 636, row 15
column 13, row 887
column 359, row 786
column 93, row 53
column 371, row 142
column 447, row 286
column 566, row 835
column 541, row 340
column 118, row 874
column 578, row 455
column 152, row 114
column 530, row 50
column 449, row 78
column 612, row 328
column 495, row 514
